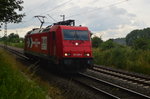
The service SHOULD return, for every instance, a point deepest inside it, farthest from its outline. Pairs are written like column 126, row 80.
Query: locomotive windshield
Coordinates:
column 75, row 35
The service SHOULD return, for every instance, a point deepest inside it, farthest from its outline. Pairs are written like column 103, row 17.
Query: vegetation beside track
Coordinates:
column 15, row 84
column 123, row 57
column 19, row 44
column 13, row 40
column 131, row 53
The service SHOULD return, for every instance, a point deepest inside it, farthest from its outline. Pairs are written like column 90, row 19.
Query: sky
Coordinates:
column 104, row 18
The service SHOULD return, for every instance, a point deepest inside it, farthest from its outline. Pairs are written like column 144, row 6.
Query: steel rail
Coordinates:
column 114, row 85
column 17, row 53
column 125, row 73
column 96, row 89
column 126, row 76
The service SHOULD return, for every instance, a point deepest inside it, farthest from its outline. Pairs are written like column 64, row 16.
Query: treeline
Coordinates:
column 138, row 39
column 134, row 56
column 13, row 40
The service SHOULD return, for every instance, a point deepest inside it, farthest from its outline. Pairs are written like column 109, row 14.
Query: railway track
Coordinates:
column 18, row 53
column 101, row 86
column 110, row 89
column 136, row 79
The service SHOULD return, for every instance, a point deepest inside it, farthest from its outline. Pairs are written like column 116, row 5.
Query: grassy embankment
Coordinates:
column 124, row 58
column 15, row 85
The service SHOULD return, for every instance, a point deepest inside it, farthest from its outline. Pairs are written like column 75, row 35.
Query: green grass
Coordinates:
column 124, row 58
column 14, row 85
column 20, row 45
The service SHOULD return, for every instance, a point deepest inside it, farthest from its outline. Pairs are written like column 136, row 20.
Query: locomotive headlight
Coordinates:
column 66, row 54
column 87, row 54
column 76, row 44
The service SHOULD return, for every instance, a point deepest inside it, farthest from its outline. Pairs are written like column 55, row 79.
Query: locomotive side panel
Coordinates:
column 37, row 44
column 33, row 43
column 44, row 48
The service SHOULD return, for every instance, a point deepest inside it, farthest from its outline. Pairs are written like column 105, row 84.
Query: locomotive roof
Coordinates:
column 47, row 29
column 35, row 30
column 68, row 24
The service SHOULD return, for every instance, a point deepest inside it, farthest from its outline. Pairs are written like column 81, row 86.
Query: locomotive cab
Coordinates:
column 76, row 46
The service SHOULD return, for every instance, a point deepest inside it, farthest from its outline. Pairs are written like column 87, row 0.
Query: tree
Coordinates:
column 142, row 43
column 136, row 34
column 9, row 11
column 14, row 38
column 96, row 41
column 108, row 44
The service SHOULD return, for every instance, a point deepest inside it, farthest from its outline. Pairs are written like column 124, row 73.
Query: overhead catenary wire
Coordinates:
column 60, row 5
column 52, row 18
column 87, row 12
column 55, row 9
column 31, row 10
column 37, row 6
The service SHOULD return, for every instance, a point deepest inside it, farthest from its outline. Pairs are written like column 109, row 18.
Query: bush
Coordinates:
column 118, row 57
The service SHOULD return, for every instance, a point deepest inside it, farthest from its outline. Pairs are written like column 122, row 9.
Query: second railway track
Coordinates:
column 110, row 89
column 140, row 80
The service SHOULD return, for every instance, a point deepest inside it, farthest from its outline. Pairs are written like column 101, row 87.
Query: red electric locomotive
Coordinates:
column 63, row 43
